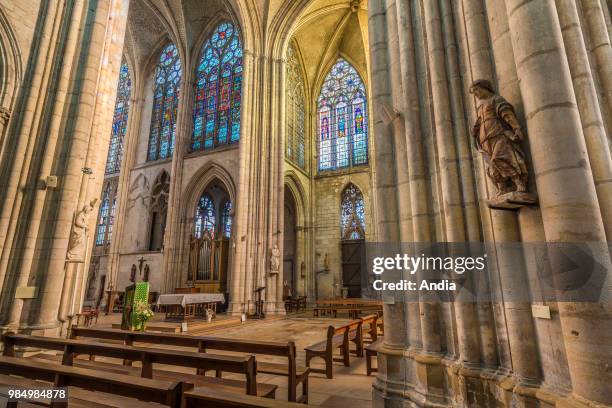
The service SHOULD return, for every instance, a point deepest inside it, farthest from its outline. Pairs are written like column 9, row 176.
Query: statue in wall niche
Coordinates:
column 497, row 134
column 326, row 263
column 77, row 243
column 275, row 260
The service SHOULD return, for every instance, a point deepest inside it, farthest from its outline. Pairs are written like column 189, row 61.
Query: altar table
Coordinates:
column 186, row 306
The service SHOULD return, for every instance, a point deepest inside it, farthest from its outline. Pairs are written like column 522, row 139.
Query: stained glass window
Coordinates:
column 111, row 219
column 205, row 219
column 122, row 106
column 165, row 104
column 352, row 213
column 294, row 144
column 103, row 216
column 216, row 111
column 342, row 119
column 226, row 219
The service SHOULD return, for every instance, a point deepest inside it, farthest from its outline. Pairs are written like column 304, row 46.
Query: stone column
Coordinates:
column 414, row 160
column 589, row 108
column 449, row 174
column 601, row 49
column 567, row 193
column 172, row 274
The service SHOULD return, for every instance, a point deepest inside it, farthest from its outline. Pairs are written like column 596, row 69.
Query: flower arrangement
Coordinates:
column 141, row 315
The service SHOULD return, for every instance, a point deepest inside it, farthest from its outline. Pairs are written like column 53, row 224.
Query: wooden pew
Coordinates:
column 217, row 399
column 162, row 392
column 355, row 334
column 371, row 351
column 370, row 327
column 147, row 356
column 337, row 337
column 295, row 373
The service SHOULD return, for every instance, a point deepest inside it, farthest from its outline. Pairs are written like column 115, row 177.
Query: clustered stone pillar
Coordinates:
column 82, row 65
column 568, row 198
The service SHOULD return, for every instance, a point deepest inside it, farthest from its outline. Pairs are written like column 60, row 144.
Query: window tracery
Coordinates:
column 165, row 104
column 342, row 119
column 216, row 112
column 352, row 214
column 294, row 144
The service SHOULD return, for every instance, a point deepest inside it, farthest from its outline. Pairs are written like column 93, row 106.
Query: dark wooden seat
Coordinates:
column 370, row 327
column 355, row 335
column 371, row 350
column 337, row 337
column 296, row 374
column 145, row 389
column 245, row 365
column 197, row 398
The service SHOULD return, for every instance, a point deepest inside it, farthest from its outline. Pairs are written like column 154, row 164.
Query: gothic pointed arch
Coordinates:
column 342, row 119
column 165, row 104
column 158, row 210
column 294, row 109
column 352, row 213
column 218, row 90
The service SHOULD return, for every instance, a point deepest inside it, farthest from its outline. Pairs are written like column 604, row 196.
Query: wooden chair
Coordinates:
column 296, row 374
column 336, row 338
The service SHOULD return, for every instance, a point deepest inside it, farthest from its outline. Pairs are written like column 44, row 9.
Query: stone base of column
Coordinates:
column 407, row 379
column 274, row 308
column 236, row 308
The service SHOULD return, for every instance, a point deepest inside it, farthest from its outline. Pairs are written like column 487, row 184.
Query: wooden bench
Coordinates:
column 371, row 351
column 337, row 337
column 296, row 374
column 218, row 399
column 148, row 356
column 355, row 334
column 370, row 327
column 163, row 392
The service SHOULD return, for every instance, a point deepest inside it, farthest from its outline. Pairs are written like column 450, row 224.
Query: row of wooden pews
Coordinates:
column 296, row 374
column 353, row 307
column 146, row 383
column 340, row 337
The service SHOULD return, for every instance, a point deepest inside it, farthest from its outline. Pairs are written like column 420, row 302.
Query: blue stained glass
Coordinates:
column 165, row 104
column 352, row 215
column 218, row 89
column 226, row 219
column 103, row 217
column 343, row 119
column 120, row 118
column 205, row 220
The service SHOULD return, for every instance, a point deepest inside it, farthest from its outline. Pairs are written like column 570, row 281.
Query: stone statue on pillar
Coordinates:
column 78, row 236
column 275, row 260
column 497, row 134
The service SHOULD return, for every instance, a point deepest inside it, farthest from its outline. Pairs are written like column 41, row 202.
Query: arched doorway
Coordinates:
column 209, row 240
column 290, row 245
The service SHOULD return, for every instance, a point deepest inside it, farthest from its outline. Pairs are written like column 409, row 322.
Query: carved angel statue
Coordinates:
column 497, row 134
column 78, row 236
column 275, row 259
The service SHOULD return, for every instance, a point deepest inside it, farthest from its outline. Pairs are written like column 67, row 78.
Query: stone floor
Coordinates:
column 350, row 387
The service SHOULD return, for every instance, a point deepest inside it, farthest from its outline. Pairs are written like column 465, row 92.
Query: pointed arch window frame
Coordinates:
column 217, row 103
column 166, row 97
column 120, row 120
column 342, row 119
column 295, row 108
column 352, row 213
